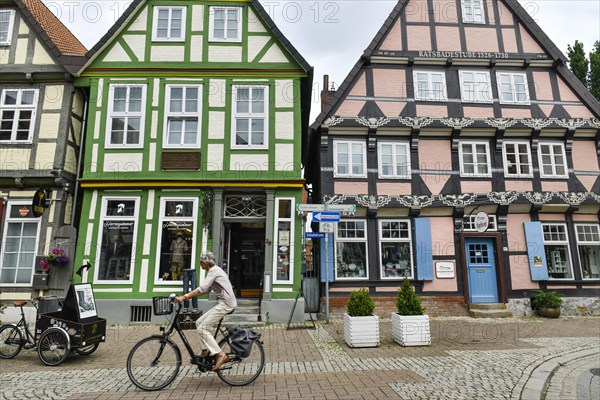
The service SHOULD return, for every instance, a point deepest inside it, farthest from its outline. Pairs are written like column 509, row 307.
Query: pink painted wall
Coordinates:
column 435, row 183
column 441, row 285
column 350, row 187
column 390, row 108
column 448, row 38
column 584, row 155
column 516, row 112
column 417, row 11
column 481, row 39
column 506, row 17
column 510, row 40
column 515, row 231
column 541, row 81
column 419, row 37
column 552, row 217
column 445, row 11
column 585, row 217
column 442, row 236
column 530, row 45
column 546, row 109
column 393, row 41
column 566, row 94
column 435, row 155
column 389, row 82
column 554, row 186
column 360, row 87
column 392, row 189
column 475, row 186
column 424, row 110
column 518, row 185
column 350, row 108
column 520, row 274
column 479, row 112
column 579, row 111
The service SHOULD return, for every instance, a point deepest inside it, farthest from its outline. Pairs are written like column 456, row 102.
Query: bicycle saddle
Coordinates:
column 19, row 303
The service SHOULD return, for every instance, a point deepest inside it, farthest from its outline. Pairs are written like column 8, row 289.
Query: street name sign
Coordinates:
column 314, row 235
column 310, row 207
column 326, row 216
column 341, row 207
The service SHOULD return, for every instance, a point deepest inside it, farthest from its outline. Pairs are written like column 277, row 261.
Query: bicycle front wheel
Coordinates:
column 153, row 363
column 240, row 371
column 11, row 341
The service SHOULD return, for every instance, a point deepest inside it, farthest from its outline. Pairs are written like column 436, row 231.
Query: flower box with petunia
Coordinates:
column 56, row 257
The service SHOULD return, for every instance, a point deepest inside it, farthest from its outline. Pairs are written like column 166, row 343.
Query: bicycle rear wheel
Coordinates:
column 11, row 341
column 240, row 371
column 153, row 363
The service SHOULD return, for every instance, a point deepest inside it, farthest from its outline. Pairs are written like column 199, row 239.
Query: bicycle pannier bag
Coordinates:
column 240, row 340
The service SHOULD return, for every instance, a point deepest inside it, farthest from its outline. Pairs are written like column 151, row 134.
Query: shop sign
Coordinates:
column 24, row 211
column 482, row 222
column 444, row 269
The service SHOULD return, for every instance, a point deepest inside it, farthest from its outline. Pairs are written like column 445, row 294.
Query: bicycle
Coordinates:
column 154, row 362
column 53, row 344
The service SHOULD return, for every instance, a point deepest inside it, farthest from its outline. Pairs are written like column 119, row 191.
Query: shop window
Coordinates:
column 225, row 24
column 429, row 86
column 117, row 242
column 475, row 159
column 349, row 159
column 558, row 256
column 17, row 115
column 284, row 236
column 250, row 117
column 472, row 11
column 126, row 115
column 588, row 247
column 176, row 238
column 395, row 249
column 7, row 20
column 553, row 161
column 183, row 116
column 394, row 160
column 168, row 24
column 19, row 243
column 517, row 160
column 351, row 250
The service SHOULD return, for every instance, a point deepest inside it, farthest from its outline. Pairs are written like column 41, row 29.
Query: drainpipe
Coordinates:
column 79, row 160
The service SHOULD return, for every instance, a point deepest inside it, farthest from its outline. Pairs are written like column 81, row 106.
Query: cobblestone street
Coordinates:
column 468, row 358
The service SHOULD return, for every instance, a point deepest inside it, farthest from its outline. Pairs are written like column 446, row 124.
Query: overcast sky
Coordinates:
column 331, row 35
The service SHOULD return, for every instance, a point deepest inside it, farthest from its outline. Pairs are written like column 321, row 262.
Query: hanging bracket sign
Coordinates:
column 39, row 203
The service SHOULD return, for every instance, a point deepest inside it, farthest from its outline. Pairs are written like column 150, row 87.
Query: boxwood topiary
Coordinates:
column 407, row 301
column 360, row 303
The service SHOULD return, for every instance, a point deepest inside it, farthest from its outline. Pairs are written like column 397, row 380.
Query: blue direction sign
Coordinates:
column 326, row 216
column 314, row 235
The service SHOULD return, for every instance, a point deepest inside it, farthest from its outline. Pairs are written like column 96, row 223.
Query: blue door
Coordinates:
column 481, row 270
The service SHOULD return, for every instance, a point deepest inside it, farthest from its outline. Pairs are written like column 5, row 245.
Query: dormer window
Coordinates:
column 169, row 24
column 472, row 11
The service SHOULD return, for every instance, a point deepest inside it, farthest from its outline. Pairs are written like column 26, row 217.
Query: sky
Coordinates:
column 332, row 35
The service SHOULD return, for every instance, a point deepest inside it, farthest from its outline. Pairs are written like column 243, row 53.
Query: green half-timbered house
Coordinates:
column 194, row 141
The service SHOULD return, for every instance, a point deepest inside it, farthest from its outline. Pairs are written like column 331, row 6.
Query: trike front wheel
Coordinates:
column 11, row 341
column 240, row 371
column 53, row 346
column 153, row 363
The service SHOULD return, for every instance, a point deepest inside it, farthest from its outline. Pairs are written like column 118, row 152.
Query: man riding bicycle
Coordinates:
column 216, row 280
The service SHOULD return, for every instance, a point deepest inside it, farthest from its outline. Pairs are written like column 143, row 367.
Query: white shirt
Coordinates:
column 218, row 281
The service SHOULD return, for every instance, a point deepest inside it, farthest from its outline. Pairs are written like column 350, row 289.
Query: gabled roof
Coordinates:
column 519, row 13
column 135, row 4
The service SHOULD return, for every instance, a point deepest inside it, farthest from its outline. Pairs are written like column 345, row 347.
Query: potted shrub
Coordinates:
column 361, row 327
column 547, row 304
column 410, row 327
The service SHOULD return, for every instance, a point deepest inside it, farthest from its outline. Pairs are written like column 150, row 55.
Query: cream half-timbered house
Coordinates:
column 194, row 142
column 41, row 114
column 472, row 154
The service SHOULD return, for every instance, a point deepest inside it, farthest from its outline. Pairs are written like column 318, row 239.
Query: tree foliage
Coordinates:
column 578, row 62
column 594, row 77
column 360, row 304
column 407, row 301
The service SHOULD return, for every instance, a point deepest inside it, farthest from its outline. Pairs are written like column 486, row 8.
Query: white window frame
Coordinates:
column 346, row 239
column 103, row 219
column 3, row 249
column 211, row 31
column 235, row 115
column 476, row 165
column 396, row 146
column 336, row 174
column 126, row 115
column 472, row 4
column 169, row 38
column 291, row 250
column 529, row 163
column 586, row 243
column 420, row 96
column 553, row 165
column 559, row 242
column 478, row 95
column 395, row 240
column 184, row 115
column 9, row 28
column 162, row 219
column 513, row 88
column 18, row 108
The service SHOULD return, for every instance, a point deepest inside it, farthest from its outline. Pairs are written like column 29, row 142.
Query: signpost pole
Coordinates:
column 327, row 278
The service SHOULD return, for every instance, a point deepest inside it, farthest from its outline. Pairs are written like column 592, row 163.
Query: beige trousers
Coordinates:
column 205, row 326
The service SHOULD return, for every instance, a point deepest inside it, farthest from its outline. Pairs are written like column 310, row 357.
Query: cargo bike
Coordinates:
column 72, row 326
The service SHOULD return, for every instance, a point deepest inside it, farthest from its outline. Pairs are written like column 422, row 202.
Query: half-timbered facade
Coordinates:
column 194, row 143
column 472, row 154
column 41, row 114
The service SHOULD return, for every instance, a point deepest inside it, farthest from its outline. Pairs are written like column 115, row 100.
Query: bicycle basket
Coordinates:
column 240, row 340
column 162, row 305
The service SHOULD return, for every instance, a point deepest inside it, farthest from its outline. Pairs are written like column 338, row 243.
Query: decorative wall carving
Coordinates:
column 416, row 201
column 502, row 198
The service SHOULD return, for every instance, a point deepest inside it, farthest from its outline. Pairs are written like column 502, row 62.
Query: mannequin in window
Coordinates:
column 178, row 249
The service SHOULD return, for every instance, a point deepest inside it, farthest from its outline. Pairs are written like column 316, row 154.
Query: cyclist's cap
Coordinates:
column 208, row 257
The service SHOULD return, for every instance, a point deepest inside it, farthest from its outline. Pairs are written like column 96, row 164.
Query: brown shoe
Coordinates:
column 221, row 358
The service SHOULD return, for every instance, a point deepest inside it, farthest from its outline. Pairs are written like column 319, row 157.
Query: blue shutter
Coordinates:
column 424, row 261
column 535, row 251
column 322, row 259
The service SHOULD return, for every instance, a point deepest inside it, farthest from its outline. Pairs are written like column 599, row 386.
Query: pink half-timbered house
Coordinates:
column 472, row 154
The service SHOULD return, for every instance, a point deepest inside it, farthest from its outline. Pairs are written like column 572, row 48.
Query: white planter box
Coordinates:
column 361, row 331
column 411, row 330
